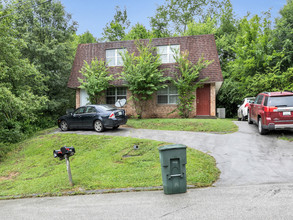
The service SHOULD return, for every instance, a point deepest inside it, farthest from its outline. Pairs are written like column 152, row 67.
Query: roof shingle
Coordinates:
column 196, row 45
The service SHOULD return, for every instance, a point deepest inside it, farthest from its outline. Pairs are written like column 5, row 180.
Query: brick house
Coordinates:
column 164, row 101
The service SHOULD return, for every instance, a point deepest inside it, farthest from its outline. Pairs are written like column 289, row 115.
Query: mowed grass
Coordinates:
column 100, row 162
column 197, row 125
column 287, row 138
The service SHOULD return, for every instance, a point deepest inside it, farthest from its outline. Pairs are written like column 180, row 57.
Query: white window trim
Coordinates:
column 116, row 94
column 115, row 56
column 168, row 94
column 169, row 52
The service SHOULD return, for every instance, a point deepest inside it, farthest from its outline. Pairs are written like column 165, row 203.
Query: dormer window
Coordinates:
column 113, row 57
column 167, row 53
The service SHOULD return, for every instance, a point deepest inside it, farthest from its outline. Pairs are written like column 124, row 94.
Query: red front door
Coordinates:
column 203, row 99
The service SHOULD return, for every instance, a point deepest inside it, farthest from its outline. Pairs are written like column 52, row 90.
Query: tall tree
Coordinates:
column 21, row 86
column 138, row 31
column 284, row 35
column 226, row 33
column 254, row 63
column 198, row 28
column 178, row 13
column 86, row 38
column 115, row 30
column 159, row 23
column 47, row 31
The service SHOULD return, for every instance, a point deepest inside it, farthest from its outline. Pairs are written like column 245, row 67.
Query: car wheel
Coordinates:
column 261, row 130
column 243, row 117
column 116, row 127
column 64, row 126
column 248, row 118
column 98, row 125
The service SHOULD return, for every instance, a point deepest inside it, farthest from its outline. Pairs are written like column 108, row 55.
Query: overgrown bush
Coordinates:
column 18, row 114
column 143, row 75
column 186, row 81
column 96, row 79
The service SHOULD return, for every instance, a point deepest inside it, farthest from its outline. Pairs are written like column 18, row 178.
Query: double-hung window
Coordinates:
column 113, row 94
column 113, row 57
column 167, row 53
column 168, row 95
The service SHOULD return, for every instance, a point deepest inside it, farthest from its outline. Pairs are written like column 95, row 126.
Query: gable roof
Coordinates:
column 196, row 45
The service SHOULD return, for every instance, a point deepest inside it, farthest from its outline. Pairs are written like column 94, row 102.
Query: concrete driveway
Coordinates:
column 244, row 157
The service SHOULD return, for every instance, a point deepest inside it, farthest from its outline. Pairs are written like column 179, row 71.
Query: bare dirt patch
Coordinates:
column 9, row 177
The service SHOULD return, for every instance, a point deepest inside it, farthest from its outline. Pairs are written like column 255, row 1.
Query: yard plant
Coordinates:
column 100, row 162
column 186, row 81
column 142, row 75
column 96, row 79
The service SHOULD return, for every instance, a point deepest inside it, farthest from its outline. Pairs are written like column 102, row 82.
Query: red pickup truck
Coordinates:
column 272, row 111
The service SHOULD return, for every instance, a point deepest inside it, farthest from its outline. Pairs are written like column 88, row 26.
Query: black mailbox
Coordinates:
column 69, row 151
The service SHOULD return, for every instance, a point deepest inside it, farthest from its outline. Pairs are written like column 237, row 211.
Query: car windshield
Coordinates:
column 106, row 107
column 280, row 101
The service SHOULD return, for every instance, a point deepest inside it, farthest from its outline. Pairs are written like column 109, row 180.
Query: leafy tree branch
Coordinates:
column 186, row 81
column 142, row 75
column 96, row 79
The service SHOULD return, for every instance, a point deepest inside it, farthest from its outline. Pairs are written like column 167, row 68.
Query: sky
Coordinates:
column 93, row 15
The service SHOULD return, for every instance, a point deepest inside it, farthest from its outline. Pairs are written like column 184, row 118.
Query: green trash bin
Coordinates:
column 173, row 161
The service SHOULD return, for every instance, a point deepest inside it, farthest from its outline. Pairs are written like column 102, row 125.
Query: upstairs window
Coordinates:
column 113, row 57
column 168, row 95
column 167, row 53
column 113, row 94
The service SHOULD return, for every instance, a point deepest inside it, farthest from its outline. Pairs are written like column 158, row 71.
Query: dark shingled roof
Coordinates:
column 196, row 45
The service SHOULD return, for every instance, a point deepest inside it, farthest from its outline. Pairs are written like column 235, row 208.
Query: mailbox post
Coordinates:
column 68, row 169
column 65, row 153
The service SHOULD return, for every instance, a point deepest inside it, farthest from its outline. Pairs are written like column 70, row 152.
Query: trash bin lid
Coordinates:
column 172, row 146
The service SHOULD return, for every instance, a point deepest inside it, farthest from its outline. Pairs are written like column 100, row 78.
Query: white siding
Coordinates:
column 84, row 97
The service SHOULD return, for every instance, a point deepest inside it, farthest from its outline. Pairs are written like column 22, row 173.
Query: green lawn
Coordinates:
column 287, row 139
column 100, row 162
column 198, row 125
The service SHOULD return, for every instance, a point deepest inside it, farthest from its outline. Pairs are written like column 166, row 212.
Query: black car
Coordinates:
column 96, row 117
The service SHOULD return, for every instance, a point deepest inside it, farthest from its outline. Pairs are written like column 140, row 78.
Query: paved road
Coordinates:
column 236, row 202
column 256, row 183
column 244, row 157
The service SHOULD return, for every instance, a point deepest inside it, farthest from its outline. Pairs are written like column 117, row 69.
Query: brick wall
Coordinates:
column 155, row 110
column 203, row 45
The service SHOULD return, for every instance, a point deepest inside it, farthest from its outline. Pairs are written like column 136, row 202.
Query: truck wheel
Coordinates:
column 261, row 130
column 249, row 118
column 243, row 117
